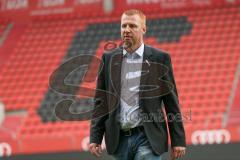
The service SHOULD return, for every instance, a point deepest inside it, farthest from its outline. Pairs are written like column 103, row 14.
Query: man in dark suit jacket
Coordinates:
column 123, row 91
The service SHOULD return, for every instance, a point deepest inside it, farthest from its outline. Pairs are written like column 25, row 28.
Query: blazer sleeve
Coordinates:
column 100, row 111
column 171, row 103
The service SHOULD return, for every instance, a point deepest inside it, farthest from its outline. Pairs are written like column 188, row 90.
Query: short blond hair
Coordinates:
column 136, row 12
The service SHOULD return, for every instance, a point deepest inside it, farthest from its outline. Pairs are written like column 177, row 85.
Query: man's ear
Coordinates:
column 144, row 29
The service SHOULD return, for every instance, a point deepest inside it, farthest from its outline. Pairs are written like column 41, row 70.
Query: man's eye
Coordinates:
column 132, row 26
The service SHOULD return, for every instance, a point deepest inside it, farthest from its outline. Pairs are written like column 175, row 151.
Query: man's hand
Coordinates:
column 177, row 152
column 95, row 149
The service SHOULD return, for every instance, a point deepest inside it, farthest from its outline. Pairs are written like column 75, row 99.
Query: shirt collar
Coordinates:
column 139, row 51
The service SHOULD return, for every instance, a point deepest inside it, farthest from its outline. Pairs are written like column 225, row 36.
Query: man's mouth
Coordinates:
column 127, row 37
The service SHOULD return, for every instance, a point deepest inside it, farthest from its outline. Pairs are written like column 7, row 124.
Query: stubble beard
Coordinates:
column 127, row 45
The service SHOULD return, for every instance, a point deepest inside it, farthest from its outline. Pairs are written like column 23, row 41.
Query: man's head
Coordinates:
column 133, row 27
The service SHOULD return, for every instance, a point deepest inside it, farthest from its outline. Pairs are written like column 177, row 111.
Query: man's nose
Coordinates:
column 127, row 29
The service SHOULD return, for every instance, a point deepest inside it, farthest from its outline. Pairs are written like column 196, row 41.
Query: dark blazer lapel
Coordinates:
column 115, row 70
column 147, row 59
